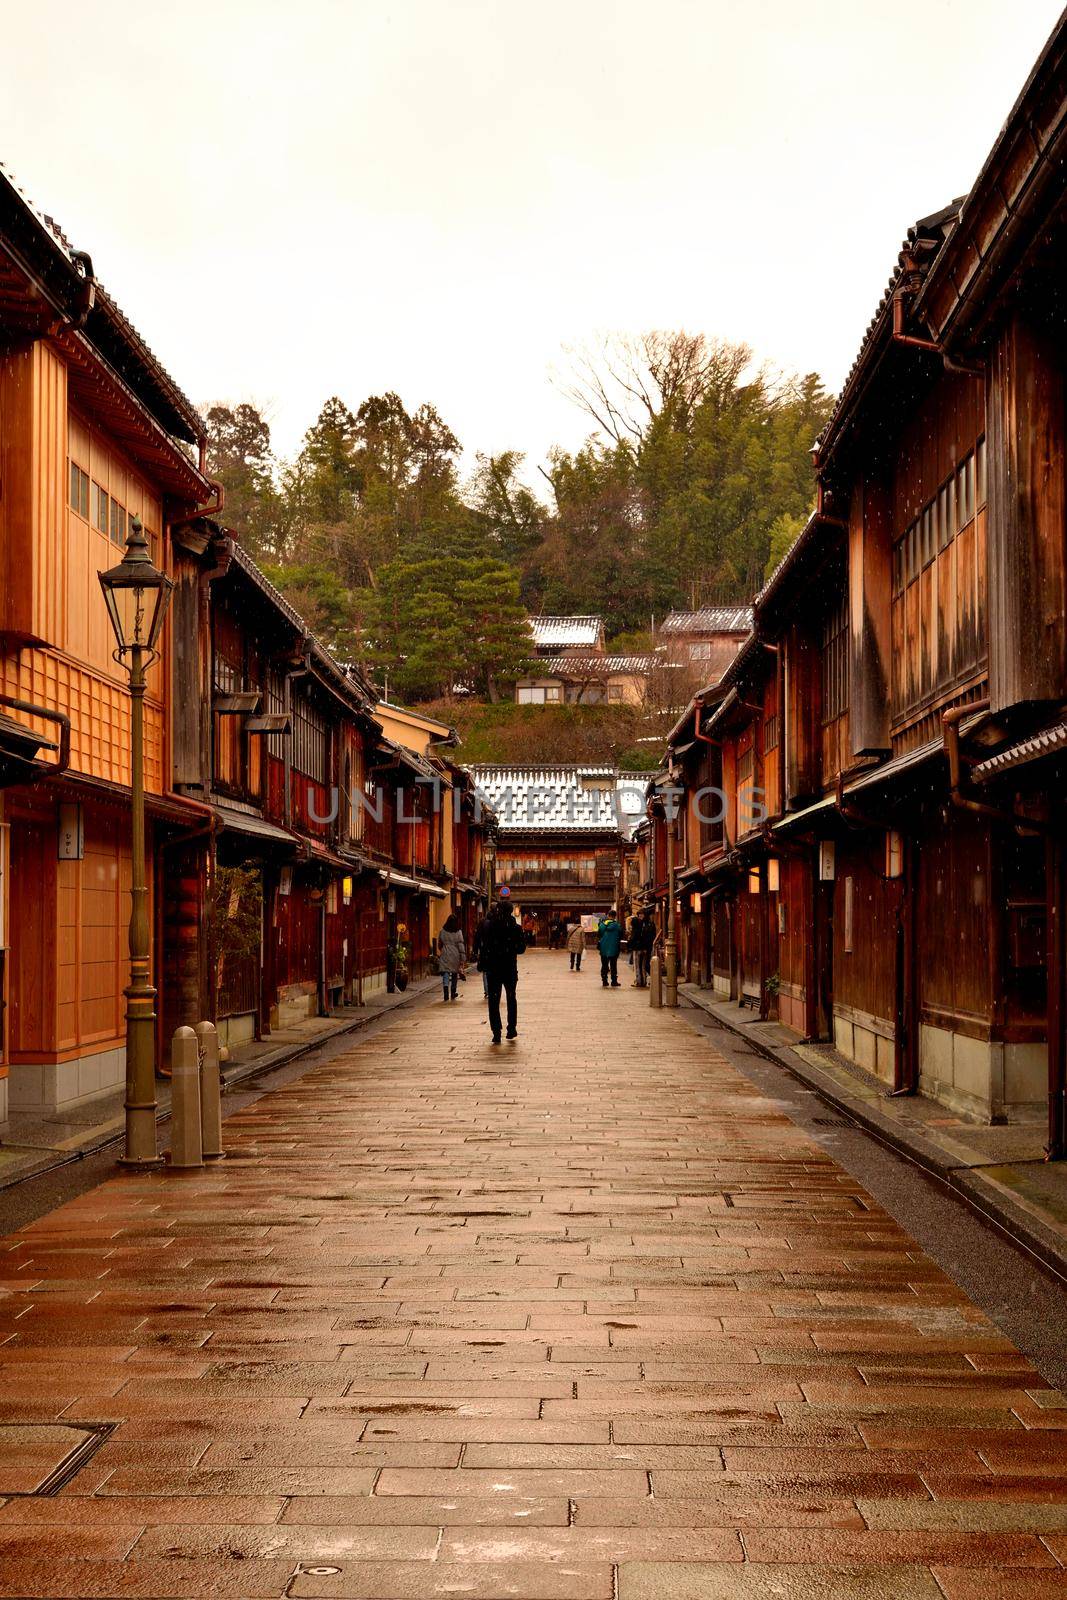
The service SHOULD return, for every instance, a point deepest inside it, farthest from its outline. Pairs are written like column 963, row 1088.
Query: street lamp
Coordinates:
column 660, row 808
column 670, row 948
column 137, row 596
column 489, row 855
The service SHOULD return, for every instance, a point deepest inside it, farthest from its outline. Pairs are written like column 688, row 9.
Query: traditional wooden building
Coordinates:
column 93, row 432
column 266, row 908
column 562, row 837
column 895, row 883
column 705, row 641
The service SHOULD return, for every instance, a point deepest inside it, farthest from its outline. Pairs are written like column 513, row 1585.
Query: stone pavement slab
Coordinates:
column 580, row 1317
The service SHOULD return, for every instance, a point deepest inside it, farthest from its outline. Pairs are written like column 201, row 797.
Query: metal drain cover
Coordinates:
column 38, row 1458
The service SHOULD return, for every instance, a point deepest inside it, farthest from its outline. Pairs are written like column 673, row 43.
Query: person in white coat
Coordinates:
column 452, row 956
column 575, row 945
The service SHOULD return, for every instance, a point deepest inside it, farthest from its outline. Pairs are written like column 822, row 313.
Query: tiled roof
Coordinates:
column 574, row 666
column 552, row 633
column 1049, row 742
column 930, row 232
column 709, row 619
column 560, row 799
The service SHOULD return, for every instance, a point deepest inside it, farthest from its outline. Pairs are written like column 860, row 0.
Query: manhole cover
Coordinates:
column 39, row 1458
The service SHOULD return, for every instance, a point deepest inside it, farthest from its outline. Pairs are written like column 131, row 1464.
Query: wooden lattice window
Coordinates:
column 835, row 662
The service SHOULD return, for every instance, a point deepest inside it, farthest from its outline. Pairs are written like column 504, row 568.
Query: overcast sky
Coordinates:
column 295, row 198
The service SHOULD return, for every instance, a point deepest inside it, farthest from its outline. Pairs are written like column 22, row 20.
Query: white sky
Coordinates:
column 295, row 198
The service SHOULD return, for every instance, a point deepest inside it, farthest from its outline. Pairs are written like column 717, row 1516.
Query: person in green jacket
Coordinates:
column 609, row 942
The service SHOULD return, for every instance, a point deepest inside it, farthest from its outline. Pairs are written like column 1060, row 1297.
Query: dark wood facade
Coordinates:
column 900, row 894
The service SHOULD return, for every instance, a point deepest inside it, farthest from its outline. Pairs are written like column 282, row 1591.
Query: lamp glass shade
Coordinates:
column 137, row 594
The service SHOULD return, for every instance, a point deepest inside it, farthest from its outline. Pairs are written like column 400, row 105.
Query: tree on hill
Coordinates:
column 239, row 457
column 441, row 622
column 695, row 481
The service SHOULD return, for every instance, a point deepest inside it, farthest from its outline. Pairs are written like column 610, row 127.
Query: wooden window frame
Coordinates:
column 835, row 661
column 78, row 490
column 100, row 502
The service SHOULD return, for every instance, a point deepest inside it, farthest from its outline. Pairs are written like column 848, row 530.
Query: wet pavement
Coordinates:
column 581, row 1316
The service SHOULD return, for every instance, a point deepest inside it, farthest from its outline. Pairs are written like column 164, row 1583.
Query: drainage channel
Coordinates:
column 36, row 1444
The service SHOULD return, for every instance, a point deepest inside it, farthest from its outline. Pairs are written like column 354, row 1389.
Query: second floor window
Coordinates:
column 835, row 662
column 309, row 741
column 79, row 490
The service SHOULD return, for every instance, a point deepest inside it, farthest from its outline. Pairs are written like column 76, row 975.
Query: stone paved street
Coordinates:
column 580, row 1316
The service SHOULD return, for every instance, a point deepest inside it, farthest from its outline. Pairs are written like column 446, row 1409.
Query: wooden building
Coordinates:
column 299, row 831
column 562, row 835
column 93, row 432
column 705, row 641
column 266, row 917
column 887, row 872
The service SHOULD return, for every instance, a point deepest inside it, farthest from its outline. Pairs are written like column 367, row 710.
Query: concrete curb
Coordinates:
column 1018, row 1223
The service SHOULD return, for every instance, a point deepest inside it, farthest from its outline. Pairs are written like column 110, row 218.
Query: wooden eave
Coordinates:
column 1018, row 187
column 102, row 394
column 782, row 596
column 55, row 277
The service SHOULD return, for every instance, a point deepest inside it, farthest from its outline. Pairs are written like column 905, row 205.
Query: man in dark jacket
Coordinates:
column 609, row 942
column 642, row 938
column 500, row 944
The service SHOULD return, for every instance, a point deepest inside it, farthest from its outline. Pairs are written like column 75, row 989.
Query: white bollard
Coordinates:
column 185, row 1144
column 655, row 984
column 210, row 1091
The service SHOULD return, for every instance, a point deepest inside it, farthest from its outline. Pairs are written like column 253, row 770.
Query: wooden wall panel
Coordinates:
column 87, row 635
column 18, row 557
column 870, row 594
column 31, row 988
column 49, row 492
column 803, row 717
column 793, row 939
column 104, row 915
column 1026, row 558
column 865, row 977
column 99, row 713
column 955, row 927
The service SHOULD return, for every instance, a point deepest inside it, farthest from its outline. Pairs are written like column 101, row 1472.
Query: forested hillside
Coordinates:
column 695, row 478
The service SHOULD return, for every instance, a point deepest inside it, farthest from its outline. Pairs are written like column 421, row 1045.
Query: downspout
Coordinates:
column 950, row 732
column 87, row 290
column 211, row 511
column 62, row 761
column 906, row 1032
column 324, row 993
column 968, row 369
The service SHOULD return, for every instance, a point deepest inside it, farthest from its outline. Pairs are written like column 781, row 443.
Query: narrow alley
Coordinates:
column 583, row 1316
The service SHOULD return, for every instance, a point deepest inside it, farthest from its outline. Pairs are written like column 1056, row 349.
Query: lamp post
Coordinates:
column 670, row 948
column 489, row 854
column 659, row 807
column 137, row 596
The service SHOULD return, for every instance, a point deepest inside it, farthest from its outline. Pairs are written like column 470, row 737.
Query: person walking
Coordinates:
column 476, row 949
column 642, row 938
column 609, row 942
column 576, row 945
column 452, row 956
column 502, row 942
